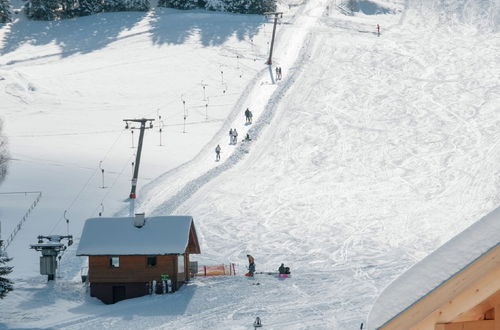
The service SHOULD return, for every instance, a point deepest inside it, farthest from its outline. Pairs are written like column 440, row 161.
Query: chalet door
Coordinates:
column 118, row 293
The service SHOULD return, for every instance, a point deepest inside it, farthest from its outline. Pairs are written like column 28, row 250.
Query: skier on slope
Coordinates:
column 231, row 136
column 235, row 136
column 284, row 270
column 217, row 153
column 247, row 115
column 251, row 265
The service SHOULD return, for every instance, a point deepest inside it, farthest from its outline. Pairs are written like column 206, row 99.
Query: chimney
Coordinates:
column 139, row 220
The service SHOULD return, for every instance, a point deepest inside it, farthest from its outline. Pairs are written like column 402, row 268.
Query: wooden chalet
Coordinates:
column 457, row 287
column 130, row 257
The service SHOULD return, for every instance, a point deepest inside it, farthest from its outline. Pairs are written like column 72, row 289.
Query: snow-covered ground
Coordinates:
column 371, row 153
column 68, row 85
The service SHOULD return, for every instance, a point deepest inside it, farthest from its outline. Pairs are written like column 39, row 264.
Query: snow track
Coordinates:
column 372, row 152
column 262, row 96
column 382, row 150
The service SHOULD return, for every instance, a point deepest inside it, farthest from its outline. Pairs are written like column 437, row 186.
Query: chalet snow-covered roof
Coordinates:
column 436, row 269
column 119, row 236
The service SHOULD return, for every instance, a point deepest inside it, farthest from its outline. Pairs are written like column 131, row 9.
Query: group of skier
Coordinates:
column 248, row 116
column 282, row 270
column 233, row 136
column 278, row 73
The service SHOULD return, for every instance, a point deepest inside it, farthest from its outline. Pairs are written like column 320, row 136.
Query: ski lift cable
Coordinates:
column 113, row 184
column 73, row 133
column 62, row 261
column 86, row 184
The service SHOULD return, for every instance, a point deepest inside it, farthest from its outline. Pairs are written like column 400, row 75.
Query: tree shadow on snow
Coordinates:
column 170, row 26
column 371, row 8
column 76, row 35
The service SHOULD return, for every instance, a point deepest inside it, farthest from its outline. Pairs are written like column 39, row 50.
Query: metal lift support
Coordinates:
column 143, row 122
column 280, row 14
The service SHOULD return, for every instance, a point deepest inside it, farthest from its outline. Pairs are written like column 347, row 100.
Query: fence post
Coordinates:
column 205, row 269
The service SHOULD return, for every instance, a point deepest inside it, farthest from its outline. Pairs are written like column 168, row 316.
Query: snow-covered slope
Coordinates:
column 481, row 15
column 371, row 153
column 67, row 86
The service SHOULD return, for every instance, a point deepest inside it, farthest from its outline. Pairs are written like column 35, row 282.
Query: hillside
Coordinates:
column 367, row 156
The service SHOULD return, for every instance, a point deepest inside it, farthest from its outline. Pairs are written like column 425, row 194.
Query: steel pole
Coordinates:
column 137, row 160
column 270, row 61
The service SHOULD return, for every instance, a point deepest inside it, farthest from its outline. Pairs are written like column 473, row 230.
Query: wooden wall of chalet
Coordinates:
column 132, row 269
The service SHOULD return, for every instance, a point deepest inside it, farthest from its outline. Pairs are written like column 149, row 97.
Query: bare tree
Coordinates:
column 6, row 285
column 4, row 155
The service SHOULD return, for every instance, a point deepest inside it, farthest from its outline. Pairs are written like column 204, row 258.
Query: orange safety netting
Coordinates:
column 216, row 270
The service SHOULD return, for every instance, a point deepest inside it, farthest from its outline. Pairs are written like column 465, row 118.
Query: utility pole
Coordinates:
column 1, row 242
column 102, row 172
column 143, row 127
column 276, row 15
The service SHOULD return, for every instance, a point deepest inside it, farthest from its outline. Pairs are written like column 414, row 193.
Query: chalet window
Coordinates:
column 114, row 262
column 152, row 261
column 180, row 265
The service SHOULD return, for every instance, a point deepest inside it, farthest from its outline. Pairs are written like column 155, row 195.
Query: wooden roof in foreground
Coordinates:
column 455, row 279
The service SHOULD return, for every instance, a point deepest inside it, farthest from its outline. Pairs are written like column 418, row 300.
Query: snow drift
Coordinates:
column 483, row 15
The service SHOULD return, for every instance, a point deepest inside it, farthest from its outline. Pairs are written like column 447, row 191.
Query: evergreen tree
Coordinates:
column 242, row 6
column 352, row 6
column 68, row 7
column 44, row 10
column 5, row 283
column 89, row 7
column 4, row 155
column 218, row 5
column 126, row 5
column 180, row 4
column 4, row 11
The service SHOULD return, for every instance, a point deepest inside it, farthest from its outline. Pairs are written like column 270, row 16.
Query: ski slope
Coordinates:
column 66, row 87
column 371, row 153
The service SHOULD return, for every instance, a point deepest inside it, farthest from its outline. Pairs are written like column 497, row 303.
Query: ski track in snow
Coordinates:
column 176, row 186
column 400, row 157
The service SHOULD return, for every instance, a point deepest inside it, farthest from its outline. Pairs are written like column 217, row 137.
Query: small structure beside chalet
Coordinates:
column 133, row 256
column 457, row 287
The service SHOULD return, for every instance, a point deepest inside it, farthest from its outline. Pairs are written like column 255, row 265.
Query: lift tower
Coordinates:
column 276, row 15
column 50, row 246
column 143, row 122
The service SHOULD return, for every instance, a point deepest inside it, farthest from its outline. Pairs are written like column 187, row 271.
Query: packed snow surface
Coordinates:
column 436, row 269
column 370, row 153
column 119, row 236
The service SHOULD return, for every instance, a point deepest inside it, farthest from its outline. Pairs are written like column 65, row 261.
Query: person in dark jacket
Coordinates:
column 217, row 153
column 251, row 265
column 247, row 116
